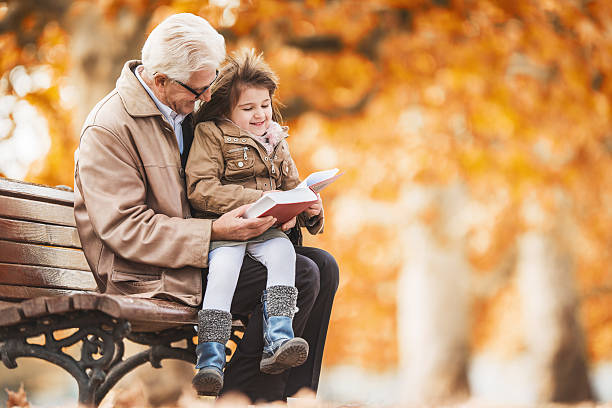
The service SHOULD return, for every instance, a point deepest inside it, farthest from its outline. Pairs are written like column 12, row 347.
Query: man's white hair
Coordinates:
column 181, row 45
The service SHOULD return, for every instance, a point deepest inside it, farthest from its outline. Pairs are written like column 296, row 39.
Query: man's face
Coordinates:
column 179, row 98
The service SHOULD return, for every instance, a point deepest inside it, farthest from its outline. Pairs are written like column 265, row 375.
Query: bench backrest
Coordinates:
column 40, row 251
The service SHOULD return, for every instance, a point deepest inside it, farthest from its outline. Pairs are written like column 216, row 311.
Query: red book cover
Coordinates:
column 285, row 212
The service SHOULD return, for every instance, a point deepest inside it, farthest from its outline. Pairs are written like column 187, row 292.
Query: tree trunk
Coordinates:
column 100, row 46
column 433, row 305
column 553, row 333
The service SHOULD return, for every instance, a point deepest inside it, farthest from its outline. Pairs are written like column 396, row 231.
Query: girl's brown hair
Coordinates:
column 242, row 69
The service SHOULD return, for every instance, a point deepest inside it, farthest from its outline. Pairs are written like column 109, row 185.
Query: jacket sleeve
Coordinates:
column 291, row 176
column 113, row 189
column 314, row 225
column 204, row 170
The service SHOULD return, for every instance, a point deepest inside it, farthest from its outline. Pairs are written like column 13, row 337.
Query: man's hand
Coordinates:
column 289, row 224
column 315, row 208
column 232, row 227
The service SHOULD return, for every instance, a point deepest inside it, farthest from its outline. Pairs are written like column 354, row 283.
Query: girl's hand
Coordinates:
column 315, row 208
column 289, row 224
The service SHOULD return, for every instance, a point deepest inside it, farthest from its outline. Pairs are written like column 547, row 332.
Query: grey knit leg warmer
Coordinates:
column 282, row 350
column 214, row 325
column 281, row 300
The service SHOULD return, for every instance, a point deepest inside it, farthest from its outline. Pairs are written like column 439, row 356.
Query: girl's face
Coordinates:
column 253, row 112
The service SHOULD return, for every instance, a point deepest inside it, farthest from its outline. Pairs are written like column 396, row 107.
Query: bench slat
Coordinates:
column 13, row 313
column 36, row 192
column 35, row 307
column 38, row 211
column 145, row 314
column 10, row 315
column 31, row 254
column 60, row 304
column 32, row 232
column 23, row 292
column 148, row 310
column 46, row 277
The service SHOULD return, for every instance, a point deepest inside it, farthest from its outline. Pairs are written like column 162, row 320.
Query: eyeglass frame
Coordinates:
column 193, row 91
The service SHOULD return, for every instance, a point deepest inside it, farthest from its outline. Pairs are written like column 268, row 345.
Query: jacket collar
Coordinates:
column 231, row 129
column 135, row 98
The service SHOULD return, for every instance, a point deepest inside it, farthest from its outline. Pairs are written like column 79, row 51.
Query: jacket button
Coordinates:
column 240, row 164
column 243, row 140
column 182, row 172
column 235, row 139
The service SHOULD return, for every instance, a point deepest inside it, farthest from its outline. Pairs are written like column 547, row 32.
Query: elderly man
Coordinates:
column 133, row 216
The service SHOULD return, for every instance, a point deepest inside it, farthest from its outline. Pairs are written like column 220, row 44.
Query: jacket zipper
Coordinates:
column 273, row 155
column 244, row 149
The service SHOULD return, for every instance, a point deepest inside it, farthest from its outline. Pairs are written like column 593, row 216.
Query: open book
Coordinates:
column 284, row 205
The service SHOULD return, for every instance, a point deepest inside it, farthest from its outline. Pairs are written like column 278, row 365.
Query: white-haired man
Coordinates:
column 133, row 216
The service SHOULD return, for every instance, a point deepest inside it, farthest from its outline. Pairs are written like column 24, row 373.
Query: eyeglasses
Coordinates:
column 193, row 91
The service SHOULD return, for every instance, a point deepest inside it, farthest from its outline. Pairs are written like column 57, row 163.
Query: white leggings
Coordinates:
column 224, row 263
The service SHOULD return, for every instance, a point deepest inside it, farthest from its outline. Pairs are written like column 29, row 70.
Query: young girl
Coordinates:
column 238, row 154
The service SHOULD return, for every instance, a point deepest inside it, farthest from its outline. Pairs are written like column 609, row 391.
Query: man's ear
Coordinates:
column 159, row 79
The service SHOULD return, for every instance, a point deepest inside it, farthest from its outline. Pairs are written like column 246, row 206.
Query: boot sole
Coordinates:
column 207, row 382
column 291, row 354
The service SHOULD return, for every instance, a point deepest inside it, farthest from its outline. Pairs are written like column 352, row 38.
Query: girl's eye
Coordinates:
column 247, row 109
column 264, row 106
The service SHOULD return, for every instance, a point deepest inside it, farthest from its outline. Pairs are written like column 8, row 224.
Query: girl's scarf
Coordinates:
column 273, row 136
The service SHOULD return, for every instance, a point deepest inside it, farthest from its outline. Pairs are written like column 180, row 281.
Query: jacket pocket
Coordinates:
column 136, row 278
column 135, row 284
column 239, row 169
column 133, row 278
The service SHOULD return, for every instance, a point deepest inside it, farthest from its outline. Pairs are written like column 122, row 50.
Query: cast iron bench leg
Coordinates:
column 101, row 364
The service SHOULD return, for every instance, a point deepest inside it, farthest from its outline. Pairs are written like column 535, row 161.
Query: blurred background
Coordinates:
column 473, row 225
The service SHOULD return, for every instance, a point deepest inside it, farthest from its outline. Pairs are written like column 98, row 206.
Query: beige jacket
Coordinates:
column 131, row 207
column 227, row 168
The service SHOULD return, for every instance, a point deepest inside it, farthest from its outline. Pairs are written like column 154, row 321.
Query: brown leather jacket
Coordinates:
column 131, row 207
column 227, row 168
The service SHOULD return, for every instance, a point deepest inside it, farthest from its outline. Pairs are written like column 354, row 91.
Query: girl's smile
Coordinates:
column 253, row 112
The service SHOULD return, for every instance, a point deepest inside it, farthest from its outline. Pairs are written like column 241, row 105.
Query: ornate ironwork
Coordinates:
column 101, row 364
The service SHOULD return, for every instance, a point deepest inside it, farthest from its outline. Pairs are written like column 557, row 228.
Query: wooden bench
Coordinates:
column 47, row 291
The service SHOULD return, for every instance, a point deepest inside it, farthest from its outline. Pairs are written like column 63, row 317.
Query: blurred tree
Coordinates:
column 550, row 303
column 433, row 298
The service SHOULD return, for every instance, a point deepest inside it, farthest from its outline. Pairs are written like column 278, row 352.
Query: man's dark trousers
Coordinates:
column 317, row 281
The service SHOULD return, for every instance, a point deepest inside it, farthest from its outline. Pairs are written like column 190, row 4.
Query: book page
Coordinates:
column 317, row 177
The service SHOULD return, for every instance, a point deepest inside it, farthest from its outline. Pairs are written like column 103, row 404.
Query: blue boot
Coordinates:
column 214, row 328
column 281, row 349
